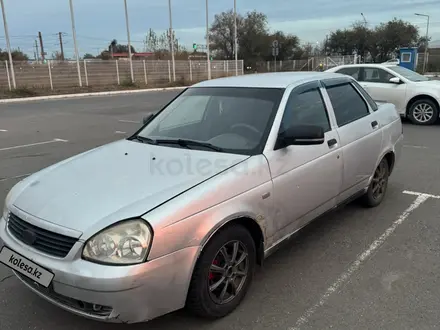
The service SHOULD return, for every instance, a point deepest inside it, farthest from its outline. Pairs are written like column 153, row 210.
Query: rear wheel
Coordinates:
column 378, row 185
column 223, row 273
column 423, row 112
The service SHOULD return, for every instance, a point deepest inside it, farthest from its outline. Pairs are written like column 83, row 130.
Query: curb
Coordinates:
column 79, row 95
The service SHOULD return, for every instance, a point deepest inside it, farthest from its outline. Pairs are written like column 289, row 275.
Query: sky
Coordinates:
column 99, row 21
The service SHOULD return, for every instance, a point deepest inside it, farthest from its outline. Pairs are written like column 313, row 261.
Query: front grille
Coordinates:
column 45, row 241
column 81, row 306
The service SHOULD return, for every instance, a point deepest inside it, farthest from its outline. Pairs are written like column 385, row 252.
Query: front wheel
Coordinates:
column 378, row 185
column 423, row 112
column 223, row 273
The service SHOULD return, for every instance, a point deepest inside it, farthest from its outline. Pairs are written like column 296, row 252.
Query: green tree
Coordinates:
column 160, row 45
column 379, row 43
column 288, row 45
column 17, row 55
column 88, row 56
column 221, row 34
column 115, row 47
column 392, row 35
column 254, row 39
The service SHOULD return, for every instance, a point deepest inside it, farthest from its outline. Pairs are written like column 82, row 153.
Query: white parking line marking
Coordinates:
column 15, row 177
column 421, row 198
column 416, row 147
column 129, row 121
column 408, row 192
column 3, row 130
column 120, row 132
column 33, row 144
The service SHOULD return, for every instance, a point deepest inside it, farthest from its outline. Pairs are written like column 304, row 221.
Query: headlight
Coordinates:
column 5, row 207
column 125, row 243
column 5, row 212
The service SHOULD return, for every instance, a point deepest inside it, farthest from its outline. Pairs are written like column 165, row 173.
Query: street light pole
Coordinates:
column 72, row 18
column 207, row 42
column 235, row 38
column 8, row 45
column 172, row 40
column 425, row 55
column 128, row 39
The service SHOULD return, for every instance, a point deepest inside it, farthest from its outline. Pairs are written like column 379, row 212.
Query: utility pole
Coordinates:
column 72, row 18
column 235, row 38
column 425, row 55
column 128, row 39
column 61, row 45
column 37, row 51
column 207, row 41
column 172, row 40
column 41, row 45
column 8, row 45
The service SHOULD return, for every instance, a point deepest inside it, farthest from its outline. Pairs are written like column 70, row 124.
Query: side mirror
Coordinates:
column 302, row 135
column 395, row 80
column 147, row 118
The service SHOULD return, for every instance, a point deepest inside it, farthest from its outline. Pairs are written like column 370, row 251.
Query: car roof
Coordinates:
column 372, row 65
column 268, row 80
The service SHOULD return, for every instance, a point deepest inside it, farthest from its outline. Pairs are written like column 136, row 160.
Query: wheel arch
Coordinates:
column 421, row 97
column 391, row 159
column 251, row 225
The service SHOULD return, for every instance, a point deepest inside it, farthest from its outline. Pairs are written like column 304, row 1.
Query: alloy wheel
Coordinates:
column 228, row 272
column 379, row 181
column 423, row 112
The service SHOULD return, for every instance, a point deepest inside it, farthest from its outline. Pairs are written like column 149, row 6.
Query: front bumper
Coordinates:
column 121, row 294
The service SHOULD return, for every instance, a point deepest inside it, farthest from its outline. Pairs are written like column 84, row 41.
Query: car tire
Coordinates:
column 372, row 197
column 204, row 299
column 423, row 112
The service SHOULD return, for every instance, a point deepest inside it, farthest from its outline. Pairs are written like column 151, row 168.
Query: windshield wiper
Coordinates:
column 143, row 139
column 186, row 143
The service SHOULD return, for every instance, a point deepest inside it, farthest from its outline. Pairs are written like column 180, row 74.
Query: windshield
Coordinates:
column 408, row 74
column 235, row 120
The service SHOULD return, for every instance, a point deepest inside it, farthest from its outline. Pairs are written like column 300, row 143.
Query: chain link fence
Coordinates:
column 313, row 63
column 63, row 75
column 310, row 64
column 432, row 63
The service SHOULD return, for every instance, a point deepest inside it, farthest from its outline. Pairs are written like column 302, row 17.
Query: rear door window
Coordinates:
column 348, row 104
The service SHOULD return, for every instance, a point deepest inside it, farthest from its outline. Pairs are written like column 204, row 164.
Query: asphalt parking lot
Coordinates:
column 354, row 269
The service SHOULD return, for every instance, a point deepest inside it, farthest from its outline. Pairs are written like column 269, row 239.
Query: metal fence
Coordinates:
column 432, row 63
column 310, row 64
column 59, row 75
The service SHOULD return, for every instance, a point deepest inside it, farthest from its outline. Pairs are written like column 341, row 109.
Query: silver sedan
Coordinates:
column 182, row 212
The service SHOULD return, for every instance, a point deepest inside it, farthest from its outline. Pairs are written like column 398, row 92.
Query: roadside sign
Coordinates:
column 275, row 44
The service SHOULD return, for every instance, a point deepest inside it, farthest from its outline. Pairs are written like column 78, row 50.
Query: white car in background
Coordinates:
column 415, row 96
column 394, row 61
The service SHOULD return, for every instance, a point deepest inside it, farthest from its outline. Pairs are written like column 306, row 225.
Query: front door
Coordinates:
column 306, row 179
column 376, row 82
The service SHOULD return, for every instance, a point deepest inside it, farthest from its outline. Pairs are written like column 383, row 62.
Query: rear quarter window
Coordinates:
column 370, row 101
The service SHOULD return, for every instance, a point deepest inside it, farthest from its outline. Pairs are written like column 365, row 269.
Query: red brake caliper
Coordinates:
column 211, row 275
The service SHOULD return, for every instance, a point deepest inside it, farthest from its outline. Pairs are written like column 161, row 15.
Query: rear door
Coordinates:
column 359, row 132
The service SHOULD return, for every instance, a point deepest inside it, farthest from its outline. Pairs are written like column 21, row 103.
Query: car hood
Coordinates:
column 117, row 181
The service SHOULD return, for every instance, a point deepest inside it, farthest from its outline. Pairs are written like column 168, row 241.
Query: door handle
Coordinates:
column 331, row 142
column 374, row 124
